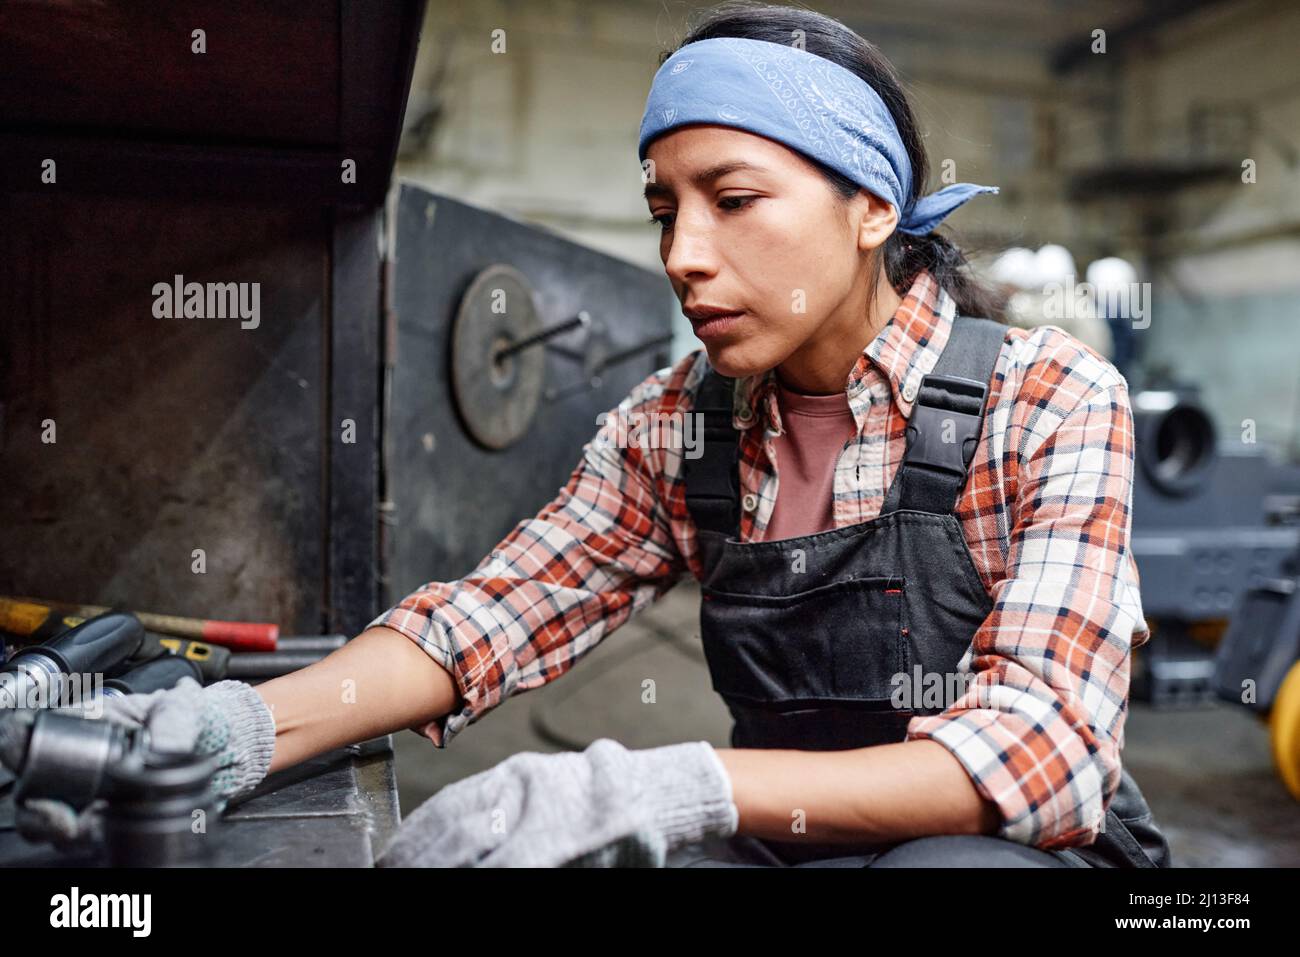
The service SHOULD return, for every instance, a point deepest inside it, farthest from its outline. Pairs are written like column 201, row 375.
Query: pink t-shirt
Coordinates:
column 816, row 428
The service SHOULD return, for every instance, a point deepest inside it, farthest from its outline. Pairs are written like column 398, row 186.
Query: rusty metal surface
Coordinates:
column 172, row 434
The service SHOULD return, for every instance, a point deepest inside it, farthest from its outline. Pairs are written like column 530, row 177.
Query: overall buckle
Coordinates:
column 944, row 427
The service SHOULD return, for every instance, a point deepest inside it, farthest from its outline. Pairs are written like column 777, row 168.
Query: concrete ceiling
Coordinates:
column 1058, row 31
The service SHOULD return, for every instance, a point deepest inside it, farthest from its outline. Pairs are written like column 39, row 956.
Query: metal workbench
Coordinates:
column 336, row 810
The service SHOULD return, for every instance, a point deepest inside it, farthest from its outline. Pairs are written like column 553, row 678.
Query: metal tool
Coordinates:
column 37, row 675
column 298, row 654
column 152, row 800
column 38, row 616
column 156, row 675
column 62, row 755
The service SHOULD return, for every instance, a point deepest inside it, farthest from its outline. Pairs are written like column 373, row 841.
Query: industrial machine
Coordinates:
column 1216, row 536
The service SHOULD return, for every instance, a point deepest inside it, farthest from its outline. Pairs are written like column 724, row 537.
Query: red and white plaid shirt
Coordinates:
column 1045, row 514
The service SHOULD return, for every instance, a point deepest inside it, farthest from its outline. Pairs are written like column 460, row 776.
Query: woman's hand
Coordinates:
column 228, row 720
column 602, row 807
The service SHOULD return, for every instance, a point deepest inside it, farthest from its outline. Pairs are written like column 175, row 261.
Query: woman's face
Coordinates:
column 751, row 226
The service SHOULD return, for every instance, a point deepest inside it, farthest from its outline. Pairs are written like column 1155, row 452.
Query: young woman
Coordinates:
column 895, row 492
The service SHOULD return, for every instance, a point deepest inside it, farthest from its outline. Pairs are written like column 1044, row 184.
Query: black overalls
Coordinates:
column 804, row 636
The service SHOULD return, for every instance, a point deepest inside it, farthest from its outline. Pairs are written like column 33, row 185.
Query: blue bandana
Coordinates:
column 804, row 102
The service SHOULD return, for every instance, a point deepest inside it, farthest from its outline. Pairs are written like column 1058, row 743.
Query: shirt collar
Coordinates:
column 904, row 351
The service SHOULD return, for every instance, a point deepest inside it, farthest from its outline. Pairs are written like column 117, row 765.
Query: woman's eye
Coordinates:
column 730, row 203
column 740, row 202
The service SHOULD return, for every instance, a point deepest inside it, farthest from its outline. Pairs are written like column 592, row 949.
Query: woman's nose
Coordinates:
column 691, row 253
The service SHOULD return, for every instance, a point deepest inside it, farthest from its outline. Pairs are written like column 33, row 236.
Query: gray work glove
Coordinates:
column 228, row 719
column 602, row 807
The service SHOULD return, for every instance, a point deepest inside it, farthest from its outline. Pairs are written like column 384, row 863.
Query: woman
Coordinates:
column 888, row 494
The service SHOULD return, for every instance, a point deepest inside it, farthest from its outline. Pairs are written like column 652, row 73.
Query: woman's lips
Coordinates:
column 716, row 326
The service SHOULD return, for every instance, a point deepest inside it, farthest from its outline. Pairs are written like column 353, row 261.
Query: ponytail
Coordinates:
column 905, row 256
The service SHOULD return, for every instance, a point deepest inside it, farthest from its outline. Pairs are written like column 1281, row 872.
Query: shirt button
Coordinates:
column 909, row 392
column 749, row 502
column 745, row 415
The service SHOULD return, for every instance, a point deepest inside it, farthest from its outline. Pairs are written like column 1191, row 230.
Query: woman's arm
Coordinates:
column 1040, row 727
column 561, row 582
column 890, row 792
column 379, row 682
column 555, row 586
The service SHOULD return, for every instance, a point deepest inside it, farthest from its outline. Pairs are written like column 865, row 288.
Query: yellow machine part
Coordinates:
column 1284, row 730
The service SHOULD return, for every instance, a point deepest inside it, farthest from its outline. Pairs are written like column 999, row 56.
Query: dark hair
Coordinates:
column 904, row 255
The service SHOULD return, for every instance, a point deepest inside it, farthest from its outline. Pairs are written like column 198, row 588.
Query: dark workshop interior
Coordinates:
column 238, row 496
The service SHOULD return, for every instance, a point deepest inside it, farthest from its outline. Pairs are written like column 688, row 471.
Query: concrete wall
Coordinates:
column 1225, row 264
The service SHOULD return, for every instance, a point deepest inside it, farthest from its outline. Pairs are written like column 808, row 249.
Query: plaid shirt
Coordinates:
column 1045, row 514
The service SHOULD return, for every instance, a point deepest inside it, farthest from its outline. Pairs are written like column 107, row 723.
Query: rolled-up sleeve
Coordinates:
column 562, row 580
column 1039, row 726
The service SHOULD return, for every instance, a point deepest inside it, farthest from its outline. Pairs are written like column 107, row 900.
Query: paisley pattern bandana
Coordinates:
column 802, row 101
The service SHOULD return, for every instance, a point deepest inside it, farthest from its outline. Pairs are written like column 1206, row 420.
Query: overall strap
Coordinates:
column 944, row 427
column 713, row 479
column 933, row 471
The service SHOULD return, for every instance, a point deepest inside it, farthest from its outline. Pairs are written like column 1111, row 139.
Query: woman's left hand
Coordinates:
column 602, row 807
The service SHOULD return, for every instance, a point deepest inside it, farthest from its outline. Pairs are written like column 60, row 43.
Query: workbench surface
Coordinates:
column 336, row 810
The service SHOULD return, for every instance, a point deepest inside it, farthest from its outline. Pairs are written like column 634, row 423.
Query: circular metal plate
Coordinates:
column 496, row 396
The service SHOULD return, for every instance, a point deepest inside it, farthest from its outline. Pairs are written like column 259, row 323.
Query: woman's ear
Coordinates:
column 877, row 220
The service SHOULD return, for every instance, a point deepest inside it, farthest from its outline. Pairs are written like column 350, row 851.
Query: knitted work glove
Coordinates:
column 228, row 719
column 602, row 807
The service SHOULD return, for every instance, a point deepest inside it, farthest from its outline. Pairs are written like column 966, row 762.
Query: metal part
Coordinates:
column 1175, row 440
column 596, row 358
column 1284, row 731
column 1260, row 645
column 151, row 798
column 67, row 756
column 33, row 677
column 581, row 320
column 154, row 802
column 1209, row 525
column 497, row 391
column 300, row 643
column 337, row 809
column 433, row 462
column 271, row 664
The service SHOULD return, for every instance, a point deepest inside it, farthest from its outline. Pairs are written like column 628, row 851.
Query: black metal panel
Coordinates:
column 354, row 364
column 172, row 434
column 283, row 94
column 453, row 500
